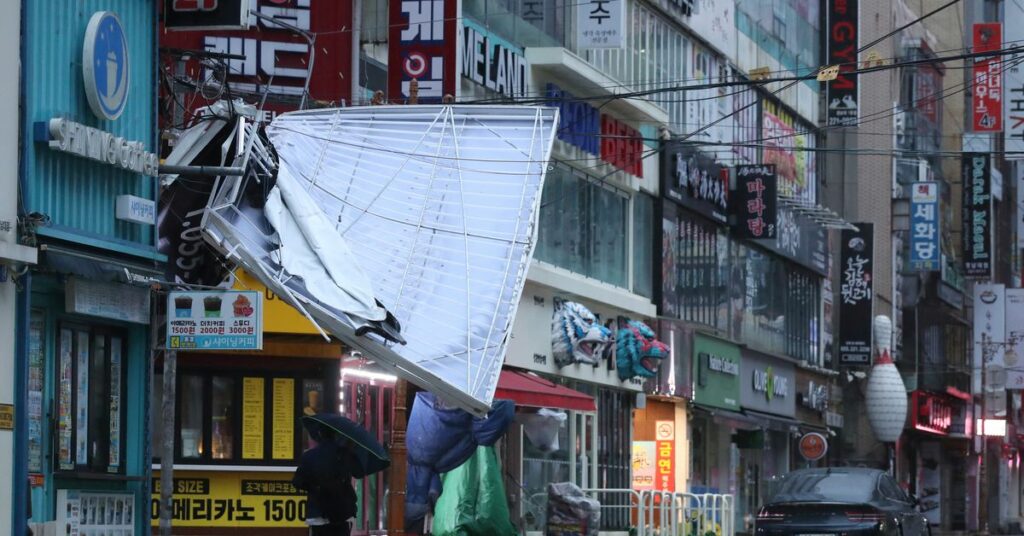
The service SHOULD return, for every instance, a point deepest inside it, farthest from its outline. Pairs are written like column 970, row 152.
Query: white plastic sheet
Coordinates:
column 437, row 206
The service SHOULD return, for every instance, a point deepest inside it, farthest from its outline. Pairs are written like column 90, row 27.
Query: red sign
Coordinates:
column 665, row 445
column 987, row 97
column 277, row 59
column 622, row 146
column 842, row 50
column 813, row 446
column 931, row 413
column 422, row 37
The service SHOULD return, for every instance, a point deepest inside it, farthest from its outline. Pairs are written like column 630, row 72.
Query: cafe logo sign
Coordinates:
column 721, row 364
column 765, row 381
column 105, row 67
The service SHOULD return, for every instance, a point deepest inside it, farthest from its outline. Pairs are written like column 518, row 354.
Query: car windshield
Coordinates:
column 826, row 487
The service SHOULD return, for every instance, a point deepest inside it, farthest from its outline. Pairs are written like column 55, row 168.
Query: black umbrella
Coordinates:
column 370, row 455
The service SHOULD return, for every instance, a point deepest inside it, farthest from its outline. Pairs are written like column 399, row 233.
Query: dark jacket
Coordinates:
column 325, row 474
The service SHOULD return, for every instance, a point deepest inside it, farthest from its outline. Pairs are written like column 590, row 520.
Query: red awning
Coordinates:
column 527, row 389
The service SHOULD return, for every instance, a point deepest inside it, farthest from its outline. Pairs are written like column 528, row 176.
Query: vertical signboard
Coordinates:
column 422, row 46
column 695, row 180
column 842, row 51
column 855, row 295
column 1013, row 81
column 989, row 327
column 755, row 201
column 665, row 436
column 1014, row 332
column 925, row 254
column 987, row 94
column 977, row 215
column 600, row 23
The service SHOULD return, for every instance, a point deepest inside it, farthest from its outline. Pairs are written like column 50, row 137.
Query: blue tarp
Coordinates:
column 440, row 439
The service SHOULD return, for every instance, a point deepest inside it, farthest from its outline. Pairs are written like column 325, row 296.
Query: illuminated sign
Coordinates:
column 991, row 427
column 931, row 413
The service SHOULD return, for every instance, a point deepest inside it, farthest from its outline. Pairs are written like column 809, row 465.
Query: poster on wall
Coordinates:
column 114, row 463
column 925, row 253
column 856, row 271
column 276, row 59
column 64, row 417
column 755, row 201
column 977, row 216
column 423, row 46
column 842, row 96
column 36, row 381
column 600, row 23
column 987, row 93
column 82, row 399
column 1013, row 83
column 644, row 460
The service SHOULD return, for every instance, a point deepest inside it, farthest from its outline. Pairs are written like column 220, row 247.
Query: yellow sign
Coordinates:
column 6, row 417
column 283, row 427
column 252, row 419
column 278, row 316
column 228, row 499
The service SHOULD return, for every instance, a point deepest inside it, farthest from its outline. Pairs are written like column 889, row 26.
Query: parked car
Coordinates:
column 838, row 501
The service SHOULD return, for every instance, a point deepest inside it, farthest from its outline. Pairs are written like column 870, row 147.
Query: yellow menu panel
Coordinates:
column 283, row 440
column 252, row 418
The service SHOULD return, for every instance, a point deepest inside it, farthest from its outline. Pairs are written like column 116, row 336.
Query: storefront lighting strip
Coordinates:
column 369, row 375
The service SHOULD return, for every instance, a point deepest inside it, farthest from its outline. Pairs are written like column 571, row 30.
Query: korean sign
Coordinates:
column 1013, row 73
column 987, row 95
column 977, row 215
column 600, row 23
column 422, row 46
column 856, row 272
column 694, row 180
column 278, row 59
column 215, row 320
column 925, row 255
column 226, row 499
column 842, row 50
column 755, row 201
column 665, row 434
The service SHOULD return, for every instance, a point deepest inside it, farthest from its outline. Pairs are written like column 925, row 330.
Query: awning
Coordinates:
column 777, row 423
column 97, row 268
column 526, row 389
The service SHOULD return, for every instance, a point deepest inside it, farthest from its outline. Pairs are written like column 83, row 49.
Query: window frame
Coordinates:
column 108, row 334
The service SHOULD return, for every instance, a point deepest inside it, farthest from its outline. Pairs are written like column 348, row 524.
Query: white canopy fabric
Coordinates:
column 429, row 210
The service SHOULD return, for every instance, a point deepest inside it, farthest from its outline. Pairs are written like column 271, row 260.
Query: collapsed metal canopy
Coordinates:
column 426, row 213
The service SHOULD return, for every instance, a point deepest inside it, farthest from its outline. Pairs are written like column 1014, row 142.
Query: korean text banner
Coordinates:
column 925, row 254
column 987, row 94
column 977, row 215
column 842, row 51
column 755, row 201
column 600, row 23
column 856, row 273
column 423, row 38
column 1013, row 81
column 230, row 499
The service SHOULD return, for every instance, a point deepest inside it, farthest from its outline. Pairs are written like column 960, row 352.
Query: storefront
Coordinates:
column 239, row 430
column 88, row 184
column 593, row 449
column 815, row 403
column 936, row 452
column 716, row 417
column 768, row 395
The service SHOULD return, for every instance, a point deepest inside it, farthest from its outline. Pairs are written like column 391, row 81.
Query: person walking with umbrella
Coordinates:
column 343, row 451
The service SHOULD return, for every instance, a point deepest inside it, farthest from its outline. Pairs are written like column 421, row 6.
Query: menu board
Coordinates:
column 86, row 513
column 252, row 418
column 283, row 412
column 215, row 320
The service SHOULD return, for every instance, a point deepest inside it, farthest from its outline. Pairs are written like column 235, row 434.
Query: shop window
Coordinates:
column 244, row 418
column 583, row 227
column 643, row 245
column 90, row 411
